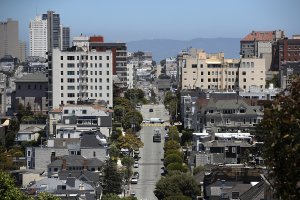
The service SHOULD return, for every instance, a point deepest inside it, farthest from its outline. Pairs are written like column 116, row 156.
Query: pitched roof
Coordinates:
column 36, row 77
column 254, row 193
column 259, row 36
column 76, row 160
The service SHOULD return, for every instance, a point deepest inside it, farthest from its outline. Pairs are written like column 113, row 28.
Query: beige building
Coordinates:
column 22, row 51
column 9, row 38
column 212, row 71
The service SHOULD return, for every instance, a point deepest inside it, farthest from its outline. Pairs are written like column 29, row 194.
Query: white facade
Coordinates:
column 252, row 73
column 130, row 77
column 214, row 72
column 38, row 37
column 82, row 76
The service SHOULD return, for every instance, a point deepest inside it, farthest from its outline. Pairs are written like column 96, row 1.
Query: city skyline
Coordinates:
column 136, row 20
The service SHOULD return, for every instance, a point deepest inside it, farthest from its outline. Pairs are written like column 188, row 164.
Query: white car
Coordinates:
column 136, row 164
column 147, row 121
column 134, row 180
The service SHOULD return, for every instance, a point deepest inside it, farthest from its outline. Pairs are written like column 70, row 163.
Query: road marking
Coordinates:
column 165, row 124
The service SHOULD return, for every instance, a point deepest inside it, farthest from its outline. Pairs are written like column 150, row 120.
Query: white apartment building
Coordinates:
column 38, row 37
column 80, row 76
column 130, row 75
column 252, row 73
column 214, row 72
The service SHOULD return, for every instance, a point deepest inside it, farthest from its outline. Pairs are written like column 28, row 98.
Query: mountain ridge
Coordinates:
column 163, row 48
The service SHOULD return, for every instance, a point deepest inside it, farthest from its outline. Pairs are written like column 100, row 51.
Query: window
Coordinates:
column 71, row 80
column 100, row 72
column 107, row 94
column 28, row 153
column 61, row 80
column 209, row 80
column 244, row 73
column 107, row 80
column 66, row 111
column 107, row 64
column 208, row 72
column 107, row 73
column 202, row 73
column 62, row 87
column 71, row 72
column 94, row 153
column 100, row 64
column 71, row 95
column 70, row 65
column 96, row 73
column 107, row 57
column 100, row 57
column 228, row 121
column 245, row 80
column 91, row 72
column 233, row 149
column 194, row 65
column 70, row 87
column 70, row 57
column 107, row 87
column 61, row 58
column 212, row 121
column 61, row 65
column 84, row 111
column 100, row 80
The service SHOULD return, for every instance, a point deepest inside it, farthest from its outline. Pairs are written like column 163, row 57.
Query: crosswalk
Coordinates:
column 148, row 124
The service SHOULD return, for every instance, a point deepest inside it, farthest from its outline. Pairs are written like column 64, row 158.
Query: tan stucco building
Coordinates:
column 212, row 71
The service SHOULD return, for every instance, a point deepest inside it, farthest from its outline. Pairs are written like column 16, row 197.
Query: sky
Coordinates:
column 131, row 20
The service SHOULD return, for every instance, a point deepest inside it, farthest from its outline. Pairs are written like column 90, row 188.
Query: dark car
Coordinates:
column 136, row 175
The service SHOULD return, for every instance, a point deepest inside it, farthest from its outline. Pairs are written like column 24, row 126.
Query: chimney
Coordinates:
column 64, row 164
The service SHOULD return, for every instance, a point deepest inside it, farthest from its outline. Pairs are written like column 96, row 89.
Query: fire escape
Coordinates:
column 83, row 80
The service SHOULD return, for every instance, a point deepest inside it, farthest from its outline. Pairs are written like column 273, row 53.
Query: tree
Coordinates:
column 130, row 142
column 176, row 185
column 11, row 132
column 177, row 167
column 128, row 162
column 174, row 133
column 187, row 136
column 134, row 94
column 280, row 132
column 172, row 158
column 114, row 152
column 8, row 190
column 178, row 197
column 121, row 101
column 47, row 196
column 112, row 182
column 133, row 120
column 171, row 145
column 110, row 196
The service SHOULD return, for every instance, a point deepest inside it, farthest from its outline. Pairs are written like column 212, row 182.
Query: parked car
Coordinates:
column 136, row 164
column 136, row 175
column 134, row 180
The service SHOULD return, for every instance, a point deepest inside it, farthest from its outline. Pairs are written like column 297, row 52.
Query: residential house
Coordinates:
column 31, row 89
column 89, row 145
column 28, row 134
column 71, row 120
column 74, row 163
column 71, row 188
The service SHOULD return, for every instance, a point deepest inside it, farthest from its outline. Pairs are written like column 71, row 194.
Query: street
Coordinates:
column 151, row 154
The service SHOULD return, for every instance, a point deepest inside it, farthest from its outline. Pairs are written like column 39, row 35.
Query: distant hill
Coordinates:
column 163, row 48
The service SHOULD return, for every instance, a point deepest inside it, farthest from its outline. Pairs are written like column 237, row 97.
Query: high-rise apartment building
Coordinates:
column 65, row 37
column 213, row 72
column 38, row 37
column 22, row 51
column 285, row 51
column 257, row 43
column 80, row 76
column 119, row 53
column 9, row 38
column 53, row 29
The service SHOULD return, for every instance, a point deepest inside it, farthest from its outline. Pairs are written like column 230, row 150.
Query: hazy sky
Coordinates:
column 120, row 20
